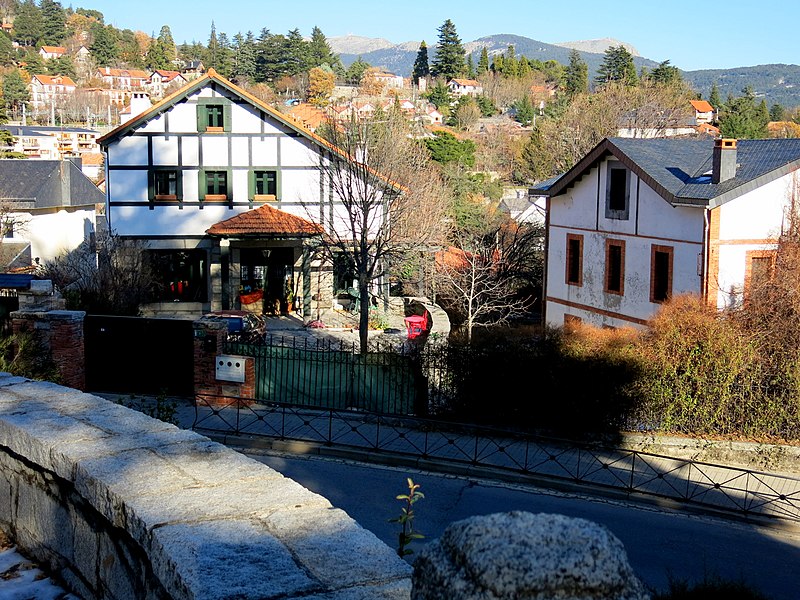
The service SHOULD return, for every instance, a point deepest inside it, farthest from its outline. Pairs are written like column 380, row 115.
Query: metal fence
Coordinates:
column 330, row 374
column 746, row 492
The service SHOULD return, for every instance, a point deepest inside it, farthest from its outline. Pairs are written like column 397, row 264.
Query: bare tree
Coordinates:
column 491, row 275
column 390, row 200
column 110, row 276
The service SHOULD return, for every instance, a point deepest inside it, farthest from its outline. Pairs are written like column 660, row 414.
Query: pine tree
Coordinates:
column 356, row 71
column 28, row 26
column 510, row 64
column 776, row 112
column 7, row 52
column 15, row 90
column 449, row 61
column 713, row 98
column 576, row 76
column 213, row 48
column 244, row 57
column 470, row 67
column 296, row 53
column 666, row 74
column 162, row 51
column 54, row 20
column 483, row 61
column 105, row 48
column 319, row 51
column 617, row 66
column 421, row 68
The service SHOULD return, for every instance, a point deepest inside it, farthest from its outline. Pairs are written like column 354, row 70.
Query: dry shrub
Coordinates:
column 707, row 375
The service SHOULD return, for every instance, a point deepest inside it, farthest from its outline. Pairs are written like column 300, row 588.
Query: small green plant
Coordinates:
column 378, row 319
column 406, row 519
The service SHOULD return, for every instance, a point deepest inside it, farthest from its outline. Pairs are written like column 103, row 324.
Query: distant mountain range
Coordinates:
column 776, row 83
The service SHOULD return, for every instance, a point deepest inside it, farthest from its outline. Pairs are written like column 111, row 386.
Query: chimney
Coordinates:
column 140, row 102
column 724, row 161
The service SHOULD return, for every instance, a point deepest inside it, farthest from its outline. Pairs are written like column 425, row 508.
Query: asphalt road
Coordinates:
column 662, row 544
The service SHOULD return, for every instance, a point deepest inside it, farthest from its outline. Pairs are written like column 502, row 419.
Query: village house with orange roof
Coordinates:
column 48, row 52
column 48, row 90
column 160, row 80
column 122, row 79
column 231, row 197
column 703, row 112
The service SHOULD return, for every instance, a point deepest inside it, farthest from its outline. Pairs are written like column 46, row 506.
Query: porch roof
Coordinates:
column 265, row 221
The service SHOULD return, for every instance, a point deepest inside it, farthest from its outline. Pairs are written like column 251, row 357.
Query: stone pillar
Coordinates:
column 520, row 555
column 58, row 331
column 209, row 339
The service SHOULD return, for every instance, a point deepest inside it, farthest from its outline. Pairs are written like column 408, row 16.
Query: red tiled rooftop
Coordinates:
column 701, row 106
column 264, row 220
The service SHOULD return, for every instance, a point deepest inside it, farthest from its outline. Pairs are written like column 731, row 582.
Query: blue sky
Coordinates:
column 692, row 34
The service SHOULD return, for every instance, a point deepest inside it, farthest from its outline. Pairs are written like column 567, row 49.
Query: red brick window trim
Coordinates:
column 615, row 267
column 574, row 267
column 661, row 260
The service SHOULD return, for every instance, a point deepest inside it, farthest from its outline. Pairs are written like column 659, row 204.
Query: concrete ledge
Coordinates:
column 121, row 506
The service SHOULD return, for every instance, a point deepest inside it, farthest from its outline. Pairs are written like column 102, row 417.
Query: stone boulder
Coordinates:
column 524, row 556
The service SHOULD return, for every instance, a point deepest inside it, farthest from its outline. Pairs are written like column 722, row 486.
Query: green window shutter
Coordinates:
column 226, row 116
column 251, row 184
column 179, row 184
column 228, row 184
column 202, row 118
column 201, row 184
column 151, row 185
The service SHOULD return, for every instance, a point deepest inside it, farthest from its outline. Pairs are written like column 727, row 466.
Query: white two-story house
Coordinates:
column 638, row 221
column 231, row 197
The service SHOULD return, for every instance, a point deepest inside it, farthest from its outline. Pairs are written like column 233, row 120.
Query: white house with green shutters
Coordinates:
column 231, row 197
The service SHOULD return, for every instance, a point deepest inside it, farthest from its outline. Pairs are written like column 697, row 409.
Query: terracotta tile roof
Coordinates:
column 701, row 106
column 466, row 82
column 167, row 75
column 54, row 49
column 264, row 220
column 55, row 80
column 308, row 115
column 709, row 129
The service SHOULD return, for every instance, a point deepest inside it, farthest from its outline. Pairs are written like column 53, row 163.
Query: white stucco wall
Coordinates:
column 651, row 221
column 51, row 235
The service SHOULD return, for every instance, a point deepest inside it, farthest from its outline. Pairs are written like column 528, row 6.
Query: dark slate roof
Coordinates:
column 33, row 184
column 677, row 168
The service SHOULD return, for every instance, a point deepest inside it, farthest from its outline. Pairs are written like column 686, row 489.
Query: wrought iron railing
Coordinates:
column 746, row 492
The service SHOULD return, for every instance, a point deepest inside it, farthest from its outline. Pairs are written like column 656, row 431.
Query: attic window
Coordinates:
column 213, row 115
column 617, row 191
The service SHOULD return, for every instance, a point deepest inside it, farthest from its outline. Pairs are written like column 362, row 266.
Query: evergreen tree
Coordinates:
column 54, row 19
column 666, row 73
column 7, row 52
column 742, row 118
column 319, row 51
column 28, row 25
column 576, row 76
column 356, row 71
column 524, row 111
column 244, row 57
column 714, row 99
column 421, row 67
column 162, row 52
column 224, row 55
column 523, row 67
column 296, row 53
column 440, row 97
column 470, row 67
column 15, row 91
column 62, row 65
column 213, row 48
column 105, row 47
column 449, row 61
column 618, row 66
column 510, row 64
column 483, row 61
column 34, row 64
column 776, row 112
